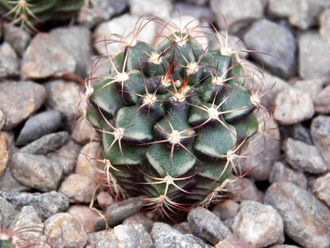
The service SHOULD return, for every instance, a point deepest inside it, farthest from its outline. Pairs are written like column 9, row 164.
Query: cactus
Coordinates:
column 31, row 13
column 173, row 120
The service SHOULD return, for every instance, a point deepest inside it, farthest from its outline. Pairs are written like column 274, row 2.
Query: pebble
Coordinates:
column 104, row 200
column 300, row 132
column 325, row 25
column 47, row 143
column 242, row 189
column 38, row 125
column 293, row 106
column 63, row 97
column 8, row 61
column 164, row 236
column 280, row 57
column 45, row 204
column 314, row 55
column 197, row 2
column 320, row 131
column 2, row 119
column 119, row 211
column 86, row 216
column 200, row 12
column 306, row 220
column 8, row 183
column 237, row 13
column 36, row 171
column 320, row 187
column 83, row 132
column 100, row 239
column 284, row 246
column 258, row 225
column 206, row 225
column 262, row 151
column 76, row 41
column 43, row 50
column 183, row 227
column 226, row 210
column 282, row 173
column 99, row 11
column 78, row 188
column 301, row 13
column 304, row 157
column 63, row 230
column 132, row 236
column 86, row 162
column 140, row 219
column 17, row 37
column 7, row 211
column 122, row 25
column 4, row 153
column 322, row 101
column 310, row 86
column 18, row 100
column 232, row 243
column 145, row 7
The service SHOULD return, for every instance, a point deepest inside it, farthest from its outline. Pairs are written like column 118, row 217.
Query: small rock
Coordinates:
column 38, row 125
column 200, row 12
column 258, row 225
column 293, row 106
column 314, row 55
column 4, row 153
column 183, row 227
column 282, row 53
column 43, row 50
column 17, row 37
column 119, row 211
column 322, row 101
column 100, row 239
column 140, row 219
column 306, row 219
column 85, row 215
column 36, row 171
column 46, row 144
column 18, row 100
column 321, row 188
column 8, row 183
column 301, row 13
column 208, row 226
column 298, row 132
column 325, row 25
column 64, row 97
column 63, row 230
column 226, row 210
column 282, row 173
column 2, row 119
column 132, row 236
column 78, row 188
column 237, row 13
column 243, row 189
column 164, row 236
column 122, row 25
column 232, row 243
column 284, row 246
column 7, row 212
column 104, row 200
column 99, row 11
column 147, row 7
column 9, row 63
column 304, row 157
column 46, row 204
column 83, row 132
column 310, row 86
column 76, row 41
column 87, row 163
column 320, row 131
column 197, row 2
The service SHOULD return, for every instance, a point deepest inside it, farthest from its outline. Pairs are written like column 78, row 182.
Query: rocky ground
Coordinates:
column 47, row 183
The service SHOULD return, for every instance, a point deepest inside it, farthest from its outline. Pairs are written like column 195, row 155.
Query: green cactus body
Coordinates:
column 172, row 121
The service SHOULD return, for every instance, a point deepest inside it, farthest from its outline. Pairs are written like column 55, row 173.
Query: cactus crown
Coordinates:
column 172, row 120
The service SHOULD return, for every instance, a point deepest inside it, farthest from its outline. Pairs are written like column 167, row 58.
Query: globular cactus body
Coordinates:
column 172, row 120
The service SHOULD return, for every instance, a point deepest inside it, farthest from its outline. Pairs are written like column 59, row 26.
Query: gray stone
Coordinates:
column 9, row 63
column 119, row 211
column 63, row 230
column 197, row 2
column 99, row 11
column 45, row 50
column 280, row 56
column 147, row 7
column 310, row 86
column 304, row 157
column 38, row 125
column 258, row 225
column 101, row 239
column 306, row 220
column 284, row 246
column 140, row 219
column 46, row 204
column 7, row 212
column 200, row 12
column 36, row 171
column 8, row 183
column 282, row 173
column 86, row 216
column 17, row 37
column 293, row 106
column 320, row 187
column 243, row 189
column 104, row 200
column 18, row 100
column 235, row 13
column 208, row 226
column 301, row 13
column 322, row 101
column 314, row 55
column 226, row 210
column 4, row 152
column 2, row 119
column 232, row 243
column 320, row 130
column 298, row 132
column 325, row 25
column 83, row 131
column 76, row 41
column 132, row 236
column 164, row 236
